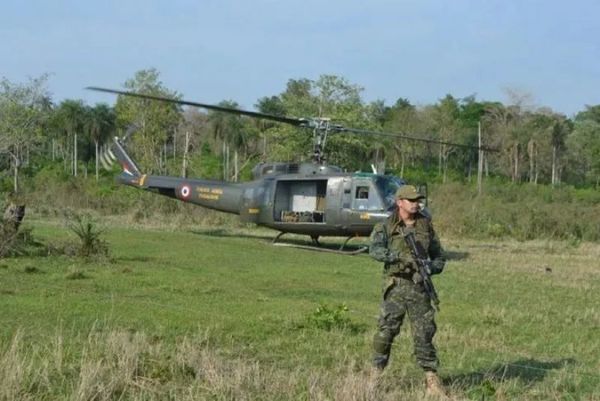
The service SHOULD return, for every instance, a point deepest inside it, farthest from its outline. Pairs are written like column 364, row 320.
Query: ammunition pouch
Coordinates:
column 400, row 269
column 403, row 271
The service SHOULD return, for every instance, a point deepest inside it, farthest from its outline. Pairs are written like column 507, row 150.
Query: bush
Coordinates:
column 329, row 318
column 89, row 233
column 523, row 211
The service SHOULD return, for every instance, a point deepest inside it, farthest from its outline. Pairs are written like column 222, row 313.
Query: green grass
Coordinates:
column 223, row 314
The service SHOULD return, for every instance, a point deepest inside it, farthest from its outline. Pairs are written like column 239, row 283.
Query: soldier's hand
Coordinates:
column 416, row 278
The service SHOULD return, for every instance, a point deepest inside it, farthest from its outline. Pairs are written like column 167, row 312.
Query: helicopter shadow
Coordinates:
column 527, row 370
column 134, row 258
column 225, row 233
column 332, row 244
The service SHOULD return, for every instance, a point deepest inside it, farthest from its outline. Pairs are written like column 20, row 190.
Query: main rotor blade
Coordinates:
column 412, row 138
column 298, row 122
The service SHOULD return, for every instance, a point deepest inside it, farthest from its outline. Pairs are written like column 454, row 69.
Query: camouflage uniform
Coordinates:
column 403, row 291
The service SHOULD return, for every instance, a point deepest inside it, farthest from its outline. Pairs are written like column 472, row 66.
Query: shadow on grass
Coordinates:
column 304, row 241
column 134, row 259
column 228, row 233
column 528, row 371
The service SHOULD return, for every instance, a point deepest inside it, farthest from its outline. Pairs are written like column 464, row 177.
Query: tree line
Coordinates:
column 535, row 145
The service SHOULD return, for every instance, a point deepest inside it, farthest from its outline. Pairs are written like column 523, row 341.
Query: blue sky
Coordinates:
column 242, row 50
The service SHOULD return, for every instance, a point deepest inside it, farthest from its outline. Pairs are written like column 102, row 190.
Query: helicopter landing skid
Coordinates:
column 317, row 246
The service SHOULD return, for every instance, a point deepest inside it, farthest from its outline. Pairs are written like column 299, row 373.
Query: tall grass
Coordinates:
column 523, row 212
column 118, row 365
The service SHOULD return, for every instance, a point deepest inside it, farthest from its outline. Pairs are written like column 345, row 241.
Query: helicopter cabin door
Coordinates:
column 252, row 204
column 300, row 201
column 360, row 199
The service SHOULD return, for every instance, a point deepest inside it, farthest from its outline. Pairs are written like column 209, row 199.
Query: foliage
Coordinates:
column 327, row 317
column 155, row 122
column 23, row 112
column 21, row 243
column 584, row 148
column 524, row 212
column 86, row 228
column 535, row 145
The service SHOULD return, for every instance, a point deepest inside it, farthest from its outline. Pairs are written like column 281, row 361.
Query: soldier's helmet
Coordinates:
column 409, row 192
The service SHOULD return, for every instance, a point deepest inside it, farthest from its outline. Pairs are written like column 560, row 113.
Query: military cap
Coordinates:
column 409, row 192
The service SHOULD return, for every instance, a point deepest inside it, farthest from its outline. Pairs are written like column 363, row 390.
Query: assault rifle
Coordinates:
column 423, row 266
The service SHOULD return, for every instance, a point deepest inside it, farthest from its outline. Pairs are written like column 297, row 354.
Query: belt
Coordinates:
column 407, row 276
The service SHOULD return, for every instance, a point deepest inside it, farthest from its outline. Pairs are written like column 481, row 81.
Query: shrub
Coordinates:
column 89, row 233
column 329, row 318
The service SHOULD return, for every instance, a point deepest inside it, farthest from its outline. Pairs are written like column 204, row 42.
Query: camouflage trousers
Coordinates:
column 403, row 297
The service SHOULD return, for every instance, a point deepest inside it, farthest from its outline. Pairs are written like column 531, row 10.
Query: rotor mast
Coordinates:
column 321, row 127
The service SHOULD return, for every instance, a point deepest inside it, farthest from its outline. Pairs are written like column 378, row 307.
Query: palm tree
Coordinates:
column 229, row 129
column 101, row 123
column 70, row 116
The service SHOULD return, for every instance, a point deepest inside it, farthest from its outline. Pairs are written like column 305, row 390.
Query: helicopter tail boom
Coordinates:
column 218, row 195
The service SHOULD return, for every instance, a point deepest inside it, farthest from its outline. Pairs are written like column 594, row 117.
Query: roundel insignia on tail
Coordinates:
column 185, row 191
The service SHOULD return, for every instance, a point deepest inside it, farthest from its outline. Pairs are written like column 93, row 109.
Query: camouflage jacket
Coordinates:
column 389, row 246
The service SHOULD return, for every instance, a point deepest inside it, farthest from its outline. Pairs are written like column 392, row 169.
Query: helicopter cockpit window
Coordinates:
column 387, row 187
column 362, row 192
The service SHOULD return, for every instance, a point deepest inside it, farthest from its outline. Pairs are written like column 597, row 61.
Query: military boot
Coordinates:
column 435, row 388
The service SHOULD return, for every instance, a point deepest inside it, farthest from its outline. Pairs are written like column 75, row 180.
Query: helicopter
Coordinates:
column 309, row 198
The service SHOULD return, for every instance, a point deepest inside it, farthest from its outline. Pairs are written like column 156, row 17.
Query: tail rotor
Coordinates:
column 116, row 153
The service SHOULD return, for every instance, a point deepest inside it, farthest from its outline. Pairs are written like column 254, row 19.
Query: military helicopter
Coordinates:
column 310, row 198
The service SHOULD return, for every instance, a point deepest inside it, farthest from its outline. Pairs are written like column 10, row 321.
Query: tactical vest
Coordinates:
column 395, row 230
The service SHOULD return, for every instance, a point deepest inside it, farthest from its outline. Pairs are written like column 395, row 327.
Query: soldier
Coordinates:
column 403, row 290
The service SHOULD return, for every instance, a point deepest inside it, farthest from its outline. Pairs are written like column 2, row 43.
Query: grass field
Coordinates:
column 223, row 315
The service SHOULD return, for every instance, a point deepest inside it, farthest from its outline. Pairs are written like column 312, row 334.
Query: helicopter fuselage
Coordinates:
column 313, row 199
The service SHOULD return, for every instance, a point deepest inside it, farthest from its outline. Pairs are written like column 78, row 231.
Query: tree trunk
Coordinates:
column 165, row 161
column 440, row 161
column 235, row 165
column 402, row 164
column 75, row 155
column 479, row 161
column 16, row 175
column 175, row 145
column 227, row 169
column 224, row 155
column 97, row 152
column 185, row 155
column 444, row 168
column 15, row 164
column 9, row 226
column 515, row 172
column 554, row 165
column 532, row 155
